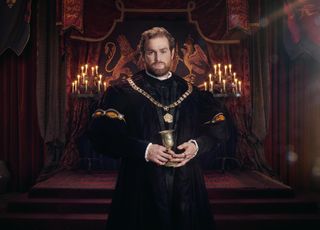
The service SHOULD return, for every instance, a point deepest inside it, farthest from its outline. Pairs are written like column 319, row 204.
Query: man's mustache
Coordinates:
column 158, row 63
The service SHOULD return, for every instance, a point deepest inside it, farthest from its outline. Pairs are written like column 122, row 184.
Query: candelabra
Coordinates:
column 86, row 84
column 223, row 83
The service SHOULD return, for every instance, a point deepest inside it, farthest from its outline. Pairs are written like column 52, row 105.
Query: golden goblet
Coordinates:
column 168, row 142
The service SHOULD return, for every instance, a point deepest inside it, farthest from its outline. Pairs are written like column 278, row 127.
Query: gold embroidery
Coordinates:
column 110, row 113
column 97, row 114
column 216, row 118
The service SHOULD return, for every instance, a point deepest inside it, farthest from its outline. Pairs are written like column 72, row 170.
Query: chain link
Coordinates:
column 155, row 102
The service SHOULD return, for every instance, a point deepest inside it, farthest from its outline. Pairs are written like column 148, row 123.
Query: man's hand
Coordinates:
column 189, row 152
column 159, row 154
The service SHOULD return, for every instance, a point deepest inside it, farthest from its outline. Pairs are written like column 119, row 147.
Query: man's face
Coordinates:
column 158, row 56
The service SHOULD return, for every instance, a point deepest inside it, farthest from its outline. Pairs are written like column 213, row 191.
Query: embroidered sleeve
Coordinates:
column 216, row 118
column 109, row 113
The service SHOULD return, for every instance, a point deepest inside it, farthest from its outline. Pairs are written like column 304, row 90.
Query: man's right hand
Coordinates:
column 159, row 154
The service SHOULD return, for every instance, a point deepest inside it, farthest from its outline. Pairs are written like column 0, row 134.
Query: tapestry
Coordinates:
column 121, row 56
column 15, row 25
column 114, row 29
column 302, row 28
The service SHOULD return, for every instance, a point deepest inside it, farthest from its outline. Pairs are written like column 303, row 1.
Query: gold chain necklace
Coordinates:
column 167, row 117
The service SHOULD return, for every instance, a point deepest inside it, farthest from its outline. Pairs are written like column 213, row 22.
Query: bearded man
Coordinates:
column 158, row 124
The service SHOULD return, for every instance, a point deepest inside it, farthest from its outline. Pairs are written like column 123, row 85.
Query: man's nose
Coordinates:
column 156, row 56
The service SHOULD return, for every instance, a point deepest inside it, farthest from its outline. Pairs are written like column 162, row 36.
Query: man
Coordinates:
column 158, row 187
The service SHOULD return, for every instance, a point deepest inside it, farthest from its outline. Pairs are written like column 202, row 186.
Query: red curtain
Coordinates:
column 21, row 146
column 292, row 145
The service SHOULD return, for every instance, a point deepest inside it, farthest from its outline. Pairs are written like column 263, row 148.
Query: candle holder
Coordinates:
column 223, row 83
column 88, row 83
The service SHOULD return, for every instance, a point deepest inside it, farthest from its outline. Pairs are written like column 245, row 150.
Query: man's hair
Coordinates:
column 153, row 33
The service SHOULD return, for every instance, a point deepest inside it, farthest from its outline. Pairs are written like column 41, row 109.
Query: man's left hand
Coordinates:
column 184, row 157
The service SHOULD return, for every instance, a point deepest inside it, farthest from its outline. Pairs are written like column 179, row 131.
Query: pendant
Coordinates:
column 168, row 118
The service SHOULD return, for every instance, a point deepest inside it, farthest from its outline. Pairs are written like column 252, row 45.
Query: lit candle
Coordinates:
column 86, row 86
column 78, row 77
column 225, row 69
column 205, row 86
column 92, row 71
column 211, row 86
column 82, row 68
column 215, row 69
column 219, row 65
column 105, row 86
column 210, row 77
column 99, row 83
column 86, row 65
column 234, row 76
column 230, row 69
column 220, row 75
column 239, row 86
column 236, row 84
column 224, row 85
column 100, row 77
column 96, row 69
column 72, row 89
column 75, row 85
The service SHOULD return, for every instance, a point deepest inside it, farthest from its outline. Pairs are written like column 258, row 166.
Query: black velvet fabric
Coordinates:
column 149, row 196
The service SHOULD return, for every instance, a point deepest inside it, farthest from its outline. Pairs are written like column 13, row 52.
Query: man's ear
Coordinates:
column 142, row 57
column 172, row 53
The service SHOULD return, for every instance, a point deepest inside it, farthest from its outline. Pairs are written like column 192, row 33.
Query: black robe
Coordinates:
column 149, row 196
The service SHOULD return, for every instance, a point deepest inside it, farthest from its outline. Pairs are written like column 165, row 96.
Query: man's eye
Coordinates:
column 164, row 51
column 149, row 53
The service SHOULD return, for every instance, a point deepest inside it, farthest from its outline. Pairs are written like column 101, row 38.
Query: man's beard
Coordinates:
column 158, row 72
